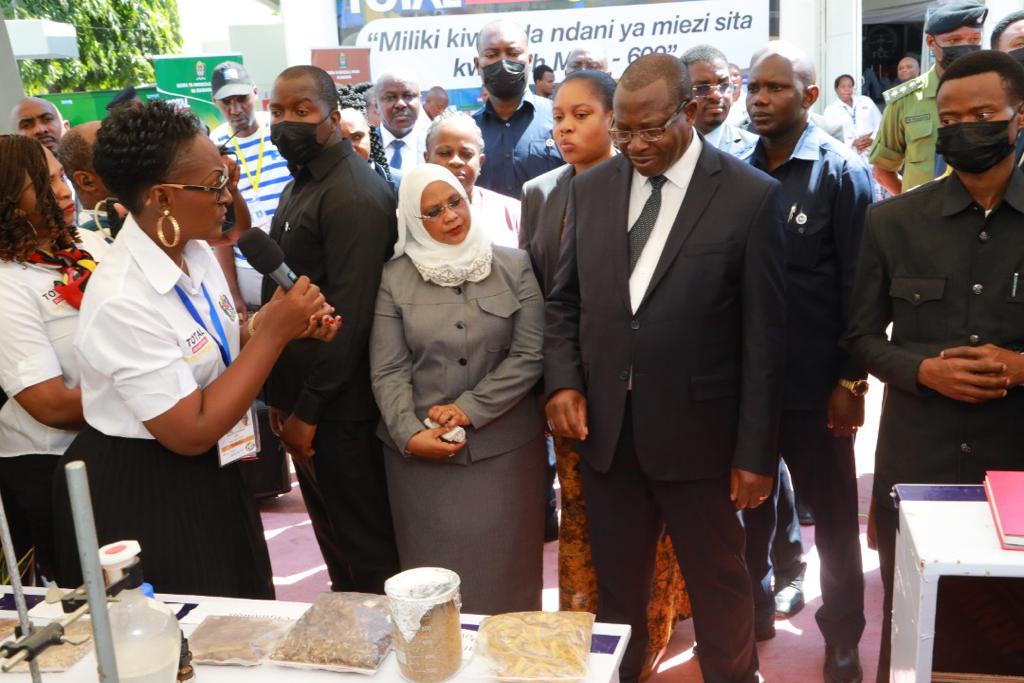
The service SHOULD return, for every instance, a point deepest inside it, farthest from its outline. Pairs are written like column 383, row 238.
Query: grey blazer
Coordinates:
column 543, row 206
column 478, row 346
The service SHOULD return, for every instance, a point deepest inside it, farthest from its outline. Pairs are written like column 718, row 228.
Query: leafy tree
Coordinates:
column 115, row 39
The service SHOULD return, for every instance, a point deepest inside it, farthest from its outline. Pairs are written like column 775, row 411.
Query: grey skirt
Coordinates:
column 484, row 521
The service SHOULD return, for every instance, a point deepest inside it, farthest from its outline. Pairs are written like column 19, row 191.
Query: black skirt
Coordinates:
column 199, row 528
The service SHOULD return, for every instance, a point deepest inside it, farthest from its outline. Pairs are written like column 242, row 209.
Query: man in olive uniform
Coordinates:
column 943, row 265
column 906, row 138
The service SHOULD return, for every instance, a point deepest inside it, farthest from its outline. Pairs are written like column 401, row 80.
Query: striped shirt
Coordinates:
column 262, row 180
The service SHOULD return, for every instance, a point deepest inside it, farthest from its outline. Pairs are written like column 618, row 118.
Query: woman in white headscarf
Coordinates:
column 457, row 339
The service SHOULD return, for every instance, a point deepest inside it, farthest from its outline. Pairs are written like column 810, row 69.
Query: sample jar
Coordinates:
column 425, row 605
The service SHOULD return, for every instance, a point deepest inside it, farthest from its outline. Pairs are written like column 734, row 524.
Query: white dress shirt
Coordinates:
column 500, row 215
column 36, row 330
column 139, row 349
column 413, row 147
column 862, row 118
column 672, row 194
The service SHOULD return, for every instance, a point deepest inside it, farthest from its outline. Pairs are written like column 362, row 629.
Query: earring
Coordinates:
column 160, row 230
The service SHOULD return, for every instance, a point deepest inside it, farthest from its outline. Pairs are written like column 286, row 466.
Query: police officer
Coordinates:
column 943, row 265
column 906, row 138
column 826, row 188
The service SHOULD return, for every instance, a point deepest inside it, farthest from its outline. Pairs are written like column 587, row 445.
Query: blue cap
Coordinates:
column 147, row 590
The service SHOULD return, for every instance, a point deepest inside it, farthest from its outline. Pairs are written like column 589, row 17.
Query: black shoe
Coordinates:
column 804, row 514
column 764, row 629
column 789, row 598
column 842, row 665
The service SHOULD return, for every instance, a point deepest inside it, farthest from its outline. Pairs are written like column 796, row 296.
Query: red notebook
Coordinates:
column 1005, row 493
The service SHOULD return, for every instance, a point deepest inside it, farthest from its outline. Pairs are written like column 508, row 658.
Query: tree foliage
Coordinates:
column 115, row 40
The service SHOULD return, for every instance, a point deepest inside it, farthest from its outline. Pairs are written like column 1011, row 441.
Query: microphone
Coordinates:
column 265, row 255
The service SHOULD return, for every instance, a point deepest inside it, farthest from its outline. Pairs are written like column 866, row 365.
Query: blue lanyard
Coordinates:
column 222, row 344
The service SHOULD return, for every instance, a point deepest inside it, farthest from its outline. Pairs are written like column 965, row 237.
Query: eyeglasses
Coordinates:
column 217, row 189
column 435, row 212
column 705, row 89
column 623, row 137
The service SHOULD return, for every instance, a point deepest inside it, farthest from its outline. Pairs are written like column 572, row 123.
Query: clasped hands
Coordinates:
column 972, row 374
column 567, row 417
column 427, row 443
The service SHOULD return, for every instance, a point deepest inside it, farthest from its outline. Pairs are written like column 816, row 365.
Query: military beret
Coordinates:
column 952, row 16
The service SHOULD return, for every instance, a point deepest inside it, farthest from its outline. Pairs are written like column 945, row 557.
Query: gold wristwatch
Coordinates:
column 857, row 387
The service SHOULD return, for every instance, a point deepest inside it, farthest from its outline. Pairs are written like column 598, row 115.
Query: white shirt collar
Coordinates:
column 714, row 137
column 157, row 267
column 387, row 137
column 679, row 173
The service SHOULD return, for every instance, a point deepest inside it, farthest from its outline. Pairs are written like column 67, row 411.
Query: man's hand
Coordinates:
column 276, row 421
column 1014, row 362
column 749, row 489
column 427, row 443
column 862, row 143
column 964, row 374
column 448, row 415
column 567, row 414
column 845, row 412
column 297, row 437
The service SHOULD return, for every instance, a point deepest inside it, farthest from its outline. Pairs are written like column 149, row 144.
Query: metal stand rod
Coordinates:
column 92, row 575
column 19, row 592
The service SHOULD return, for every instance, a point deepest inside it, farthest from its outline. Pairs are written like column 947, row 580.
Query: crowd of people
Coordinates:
column 675, row 291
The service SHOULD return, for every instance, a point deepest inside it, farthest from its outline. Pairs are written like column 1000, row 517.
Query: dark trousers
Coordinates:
column 824, row 471
column 625, row 511
column 887, row 523
column 787, row 545
column 26, row 484
column 345, row 491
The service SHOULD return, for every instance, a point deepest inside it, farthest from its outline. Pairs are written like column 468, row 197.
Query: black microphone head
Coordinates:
column 262, row 253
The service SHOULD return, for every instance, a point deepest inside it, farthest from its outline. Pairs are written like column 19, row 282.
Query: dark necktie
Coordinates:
column 644, row 225
column 396, row 158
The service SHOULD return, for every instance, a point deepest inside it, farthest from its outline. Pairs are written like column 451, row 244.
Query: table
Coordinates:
column 944, row 531
column 609, row 644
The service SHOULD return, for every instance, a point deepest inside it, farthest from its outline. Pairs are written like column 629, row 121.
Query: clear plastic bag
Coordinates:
column 345, row 632
column 237, row 639
column 536, row 646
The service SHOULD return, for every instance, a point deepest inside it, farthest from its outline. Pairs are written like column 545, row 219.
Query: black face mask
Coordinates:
column 1017, row 54
column 296, row 141
column 505, row 80
column 974, row 147
column 954, row 52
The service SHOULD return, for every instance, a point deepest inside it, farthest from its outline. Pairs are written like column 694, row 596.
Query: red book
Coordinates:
column 1005, row 493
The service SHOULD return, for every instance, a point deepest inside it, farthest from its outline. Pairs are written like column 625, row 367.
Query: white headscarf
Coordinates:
column 448, row 265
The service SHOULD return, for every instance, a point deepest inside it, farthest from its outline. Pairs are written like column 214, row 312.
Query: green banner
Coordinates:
column 81, row 107
column 186, row 82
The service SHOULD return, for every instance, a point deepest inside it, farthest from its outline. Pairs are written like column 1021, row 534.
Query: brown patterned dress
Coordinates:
column 577, row 582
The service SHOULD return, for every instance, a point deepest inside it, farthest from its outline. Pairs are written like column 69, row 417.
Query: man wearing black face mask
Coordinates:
column 515, row 123
column 905, row 142
column 945, row 266
column 336, row 224
column 1008, row 37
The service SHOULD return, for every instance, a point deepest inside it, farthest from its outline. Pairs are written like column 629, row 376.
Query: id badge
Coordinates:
column 242, row 442
column 259, row 216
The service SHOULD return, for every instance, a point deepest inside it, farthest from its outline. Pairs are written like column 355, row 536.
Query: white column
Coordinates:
column 842, row 47
column 308, row 24
column 802, row 23
column 11, row 89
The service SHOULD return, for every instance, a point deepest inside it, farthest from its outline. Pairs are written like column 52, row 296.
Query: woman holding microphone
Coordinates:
column 165, row 389
column 45, row 265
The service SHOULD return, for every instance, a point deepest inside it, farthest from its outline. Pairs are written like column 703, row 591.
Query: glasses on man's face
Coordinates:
column 705, row 89
column 217, row 189
column 391, row 98
column 436, row 211
column 623, row 137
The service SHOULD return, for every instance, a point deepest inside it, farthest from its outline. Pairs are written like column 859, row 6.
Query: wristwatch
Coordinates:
column 857, row 387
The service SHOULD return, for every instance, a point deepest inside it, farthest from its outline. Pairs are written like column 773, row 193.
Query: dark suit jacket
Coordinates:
column 706, row 346
column 543, row 205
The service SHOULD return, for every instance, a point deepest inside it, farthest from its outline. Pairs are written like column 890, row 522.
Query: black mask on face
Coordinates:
column 974, row 147
column 1017, row 54
column 506, row 80
column 954, row 52
column 296, row 141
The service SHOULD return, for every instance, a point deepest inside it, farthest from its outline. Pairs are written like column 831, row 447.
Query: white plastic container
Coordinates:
column 147, row 637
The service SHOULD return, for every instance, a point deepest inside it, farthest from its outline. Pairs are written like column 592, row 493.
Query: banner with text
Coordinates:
column 441, row 48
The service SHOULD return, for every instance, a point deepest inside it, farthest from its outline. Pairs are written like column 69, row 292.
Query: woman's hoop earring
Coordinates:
column 160, row 230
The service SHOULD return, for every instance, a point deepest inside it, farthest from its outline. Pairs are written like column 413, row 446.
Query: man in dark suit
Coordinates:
column 664, row 355
column 336, row 224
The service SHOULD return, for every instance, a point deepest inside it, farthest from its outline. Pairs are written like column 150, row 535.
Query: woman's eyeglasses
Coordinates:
column 217, row 189
column 436, row 211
